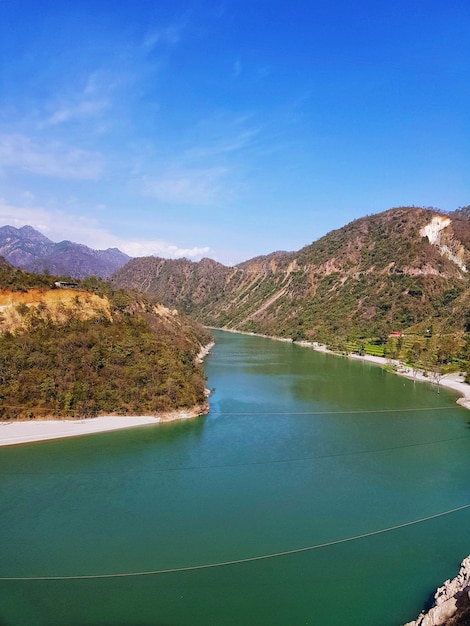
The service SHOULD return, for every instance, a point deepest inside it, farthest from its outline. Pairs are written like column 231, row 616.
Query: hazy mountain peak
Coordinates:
column 29, row 249
column 32, row 233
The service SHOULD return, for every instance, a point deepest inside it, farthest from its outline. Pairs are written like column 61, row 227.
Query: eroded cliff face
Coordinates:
column 449, row 246
column 22, row 310
column 451, row 602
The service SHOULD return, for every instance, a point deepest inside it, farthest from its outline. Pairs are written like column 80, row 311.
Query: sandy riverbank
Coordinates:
column 14, row 433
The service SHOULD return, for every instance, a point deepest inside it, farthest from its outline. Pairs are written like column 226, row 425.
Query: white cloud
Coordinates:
column 20, row 216
column 58, row 225
column 53, row 159
column 200, row 187
column 162, row 249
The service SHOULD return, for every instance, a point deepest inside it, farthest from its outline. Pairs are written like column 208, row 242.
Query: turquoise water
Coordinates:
column 299, row 449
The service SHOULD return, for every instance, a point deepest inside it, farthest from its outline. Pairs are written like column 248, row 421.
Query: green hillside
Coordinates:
column 404, row 270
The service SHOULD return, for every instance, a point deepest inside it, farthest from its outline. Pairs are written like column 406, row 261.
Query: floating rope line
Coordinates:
column 349, row 412
column 262, row 557
column 354, row 411
column 244, row 464
column 241, row 413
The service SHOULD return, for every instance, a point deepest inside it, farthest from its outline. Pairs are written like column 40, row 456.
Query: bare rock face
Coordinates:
column 451, row 602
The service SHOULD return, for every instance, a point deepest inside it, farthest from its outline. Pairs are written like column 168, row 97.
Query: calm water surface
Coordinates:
column 299, row 449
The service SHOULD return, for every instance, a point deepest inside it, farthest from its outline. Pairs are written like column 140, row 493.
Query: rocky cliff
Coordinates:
column 451, row 602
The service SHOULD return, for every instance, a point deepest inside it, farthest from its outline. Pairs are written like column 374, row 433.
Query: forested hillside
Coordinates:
column 93, row 350
column 401, row 271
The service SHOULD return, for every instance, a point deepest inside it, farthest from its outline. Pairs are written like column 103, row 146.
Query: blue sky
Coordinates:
column 228, row 128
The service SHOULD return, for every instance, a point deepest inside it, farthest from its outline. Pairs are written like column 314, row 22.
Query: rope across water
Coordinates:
column 251, row 559
column 346, row 412
column 183, row 468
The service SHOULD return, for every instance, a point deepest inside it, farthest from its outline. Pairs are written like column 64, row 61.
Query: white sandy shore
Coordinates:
column 12, row 433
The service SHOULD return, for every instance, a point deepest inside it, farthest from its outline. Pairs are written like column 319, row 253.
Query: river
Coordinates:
column 299, row 449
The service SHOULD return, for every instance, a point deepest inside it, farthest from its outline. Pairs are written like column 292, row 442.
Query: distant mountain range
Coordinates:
column 28, row 249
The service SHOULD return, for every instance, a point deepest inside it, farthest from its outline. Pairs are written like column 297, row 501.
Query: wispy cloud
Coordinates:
column 206, row 172
column 223, row 145
column 167, row 36
column 67, row 112
column 90, row 99
column 52, row 160
column 200, row 187
column 237, row 68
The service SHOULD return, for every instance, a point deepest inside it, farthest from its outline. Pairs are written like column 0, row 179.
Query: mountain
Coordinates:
column 28, row 249
column 73, row 259
column 22, row 246
column 403, row 269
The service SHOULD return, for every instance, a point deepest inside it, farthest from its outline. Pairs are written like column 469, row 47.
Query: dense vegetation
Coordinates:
column 141, row 361
column 13, row 279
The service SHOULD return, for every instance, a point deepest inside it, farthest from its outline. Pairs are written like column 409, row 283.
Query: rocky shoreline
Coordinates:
column 451, row 602
column 204, row 351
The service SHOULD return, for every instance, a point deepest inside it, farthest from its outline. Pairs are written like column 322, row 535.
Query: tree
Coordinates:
column 413, row 358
